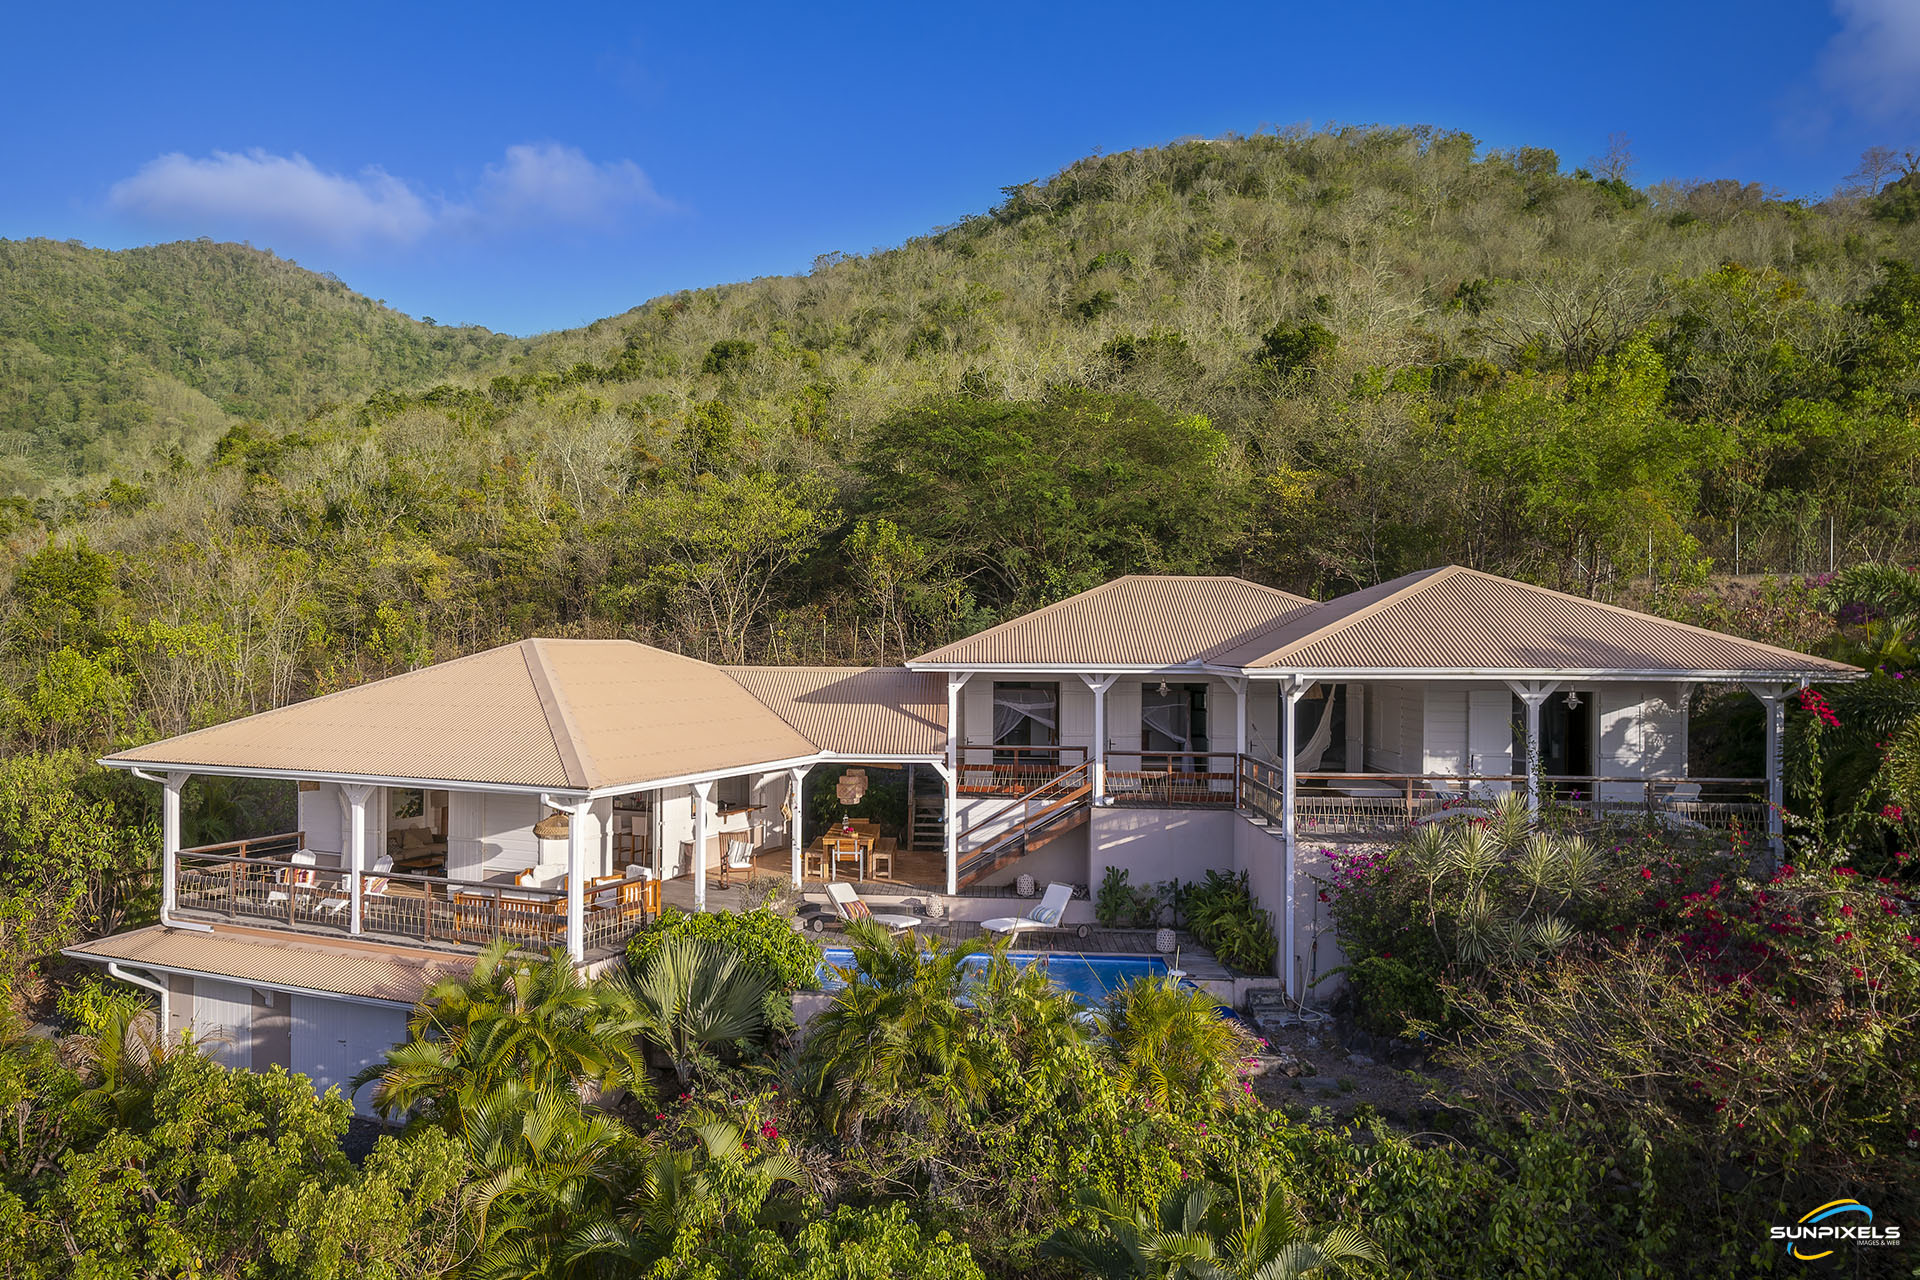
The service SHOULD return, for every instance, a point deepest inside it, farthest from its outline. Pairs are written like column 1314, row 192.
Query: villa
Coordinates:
column 559, row 792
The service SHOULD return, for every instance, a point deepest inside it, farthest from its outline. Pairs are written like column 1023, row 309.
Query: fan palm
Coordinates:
column 692, row 996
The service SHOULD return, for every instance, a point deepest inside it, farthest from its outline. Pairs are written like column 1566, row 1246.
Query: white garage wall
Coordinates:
column 332, row 1040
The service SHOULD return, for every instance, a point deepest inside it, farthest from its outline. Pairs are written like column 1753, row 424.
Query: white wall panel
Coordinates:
column 223, row 1021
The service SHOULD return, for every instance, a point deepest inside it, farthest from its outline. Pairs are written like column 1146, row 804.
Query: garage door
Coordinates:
column 334, row 1039
column 223, row 1021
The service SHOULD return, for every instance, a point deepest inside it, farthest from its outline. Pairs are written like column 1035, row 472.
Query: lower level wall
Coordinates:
column 327, row 1040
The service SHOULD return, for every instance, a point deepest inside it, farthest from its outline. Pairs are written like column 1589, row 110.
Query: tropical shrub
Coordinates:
column 151, row 1160
column 88, row 1005
column 1118, row 905
column 1391, row 994
column 1222, row 914
column 764, row 940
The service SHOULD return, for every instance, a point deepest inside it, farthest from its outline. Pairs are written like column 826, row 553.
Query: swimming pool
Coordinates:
column 1090, row 977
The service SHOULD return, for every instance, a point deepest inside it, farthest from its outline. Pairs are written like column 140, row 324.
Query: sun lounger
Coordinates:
column 1046, row 916
column 847, row 905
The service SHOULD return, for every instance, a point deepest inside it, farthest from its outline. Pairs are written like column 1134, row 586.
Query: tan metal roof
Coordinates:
column 879, row 711
column 1136, row 621
column 367, row 969
column 567, row 714
column 1456, row 619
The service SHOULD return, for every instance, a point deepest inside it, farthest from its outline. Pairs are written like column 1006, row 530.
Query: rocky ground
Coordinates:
column 1315, row 1061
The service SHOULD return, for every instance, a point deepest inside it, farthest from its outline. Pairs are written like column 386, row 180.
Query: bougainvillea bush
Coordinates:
column 1754, row 1026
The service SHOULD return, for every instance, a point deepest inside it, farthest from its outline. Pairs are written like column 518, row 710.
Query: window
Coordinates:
column 1026, row 714
column 1173, row 719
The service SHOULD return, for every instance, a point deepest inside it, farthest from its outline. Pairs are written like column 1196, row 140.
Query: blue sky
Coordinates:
column 537, row 167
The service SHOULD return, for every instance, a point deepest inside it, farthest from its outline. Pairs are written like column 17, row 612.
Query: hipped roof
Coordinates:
column 1456, row 620
column 573, row 715
column 1138, row 621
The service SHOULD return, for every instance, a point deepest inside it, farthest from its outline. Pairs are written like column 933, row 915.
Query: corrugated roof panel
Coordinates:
column 372, row 970
column 1135, row 621
column 1457, row 619
column 882, row 711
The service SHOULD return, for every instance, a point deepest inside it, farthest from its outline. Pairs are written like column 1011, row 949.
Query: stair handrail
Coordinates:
column 1020, row 802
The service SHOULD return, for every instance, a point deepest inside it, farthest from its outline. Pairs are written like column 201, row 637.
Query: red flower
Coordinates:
column 1893, row 813
column 1646, row 873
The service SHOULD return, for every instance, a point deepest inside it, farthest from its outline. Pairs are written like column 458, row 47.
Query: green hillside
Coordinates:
column 1317, row 360
column 111, row 361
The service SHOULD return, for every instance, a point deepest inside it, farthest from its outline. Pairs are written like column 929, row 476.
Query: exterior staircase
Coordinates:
column 1023, row 826
column 926, row 815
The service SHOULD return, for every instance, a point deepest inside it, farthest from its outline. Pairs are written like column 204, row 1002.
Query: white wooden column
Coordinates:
column 1291, row 691
column 356, row 849
column 1773, row 699
column 701, row 790
column 1239, row 686
column 797, row 820
column 576, row 894
column 1535, row 694
column 952, row 824
column 956, row 681
column 1097, row 759
column 170, row 842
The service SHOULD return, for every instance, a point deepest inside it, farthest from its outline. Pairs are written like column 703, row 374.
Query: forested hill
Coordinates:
column 1317, row 360
column 109, row 361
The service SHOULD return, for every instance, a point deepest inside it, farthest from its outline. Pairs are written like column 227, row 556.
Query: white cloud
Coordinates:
column 266, row 196
column 1874, row 60
column 265, row 192
column 547, row 182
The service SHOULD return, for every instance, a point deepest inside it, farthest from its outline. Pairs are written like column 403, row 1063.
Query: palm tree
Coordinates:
column 1885, row 600
column 511, row 1021
column 543, row 1169
column 1173, row 1045
column 121, row 1063
column 692, row 996
column 896, row 1043
column 717, row 1178
column 1190, row 1236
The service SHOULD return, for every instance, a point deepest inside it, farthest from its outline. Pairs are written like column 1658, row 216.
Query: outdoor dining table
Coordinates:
column 864, row 835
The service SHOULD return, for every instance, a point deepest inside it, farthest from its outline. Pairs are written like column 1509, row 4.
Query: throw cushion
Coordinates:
column 1047, row 915
column 857, row 910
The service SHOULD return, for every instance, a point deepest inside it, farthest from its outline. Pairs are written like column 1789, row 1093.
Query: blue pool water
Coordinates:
column 1089, row 977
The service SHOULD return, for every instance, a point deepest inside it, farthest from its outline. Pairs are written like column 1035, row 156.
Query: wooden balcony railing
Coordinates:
column 1013, row 771
column 1152, row 779
column 258, row 881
